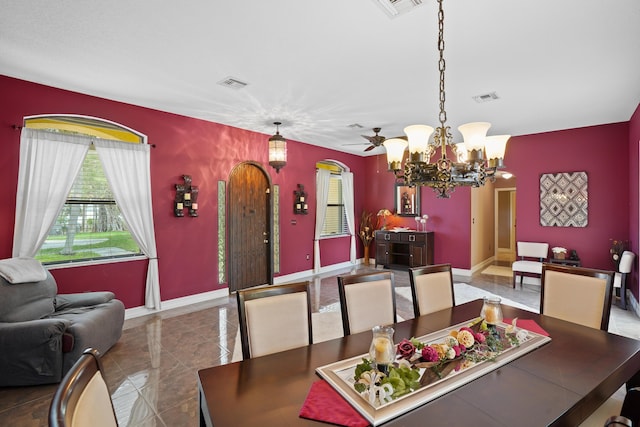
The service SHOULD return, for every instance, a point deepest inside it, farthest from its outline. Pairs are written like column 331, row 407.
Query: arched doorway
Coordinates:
column 250, row 227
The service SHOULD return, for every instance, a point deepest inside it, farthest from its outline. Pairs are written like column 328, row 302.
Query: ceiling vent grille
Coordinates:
column 233, row 83
column 492, row 96
column 395, row 8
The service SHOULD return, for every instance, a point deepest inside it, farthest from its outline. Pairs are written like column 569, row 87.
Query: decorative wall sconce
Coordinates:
column 277, row 150
column 186, row 198
column 300, row 206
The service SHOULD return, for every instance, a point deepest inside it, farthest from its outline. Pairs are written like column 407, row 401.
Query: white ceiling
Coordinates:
column 320, row 66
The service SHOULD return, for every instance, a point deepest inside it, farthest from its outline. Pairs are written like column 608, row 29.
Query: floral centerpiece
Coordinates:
column 418, row 364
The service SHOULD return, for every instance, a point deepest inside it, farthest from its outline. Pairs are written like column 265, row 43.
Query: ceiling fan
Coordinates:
column 374, row 141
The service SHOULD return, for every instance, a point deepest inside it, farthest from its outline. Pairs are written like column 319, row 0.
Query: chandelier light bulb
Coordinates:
column 418, row 136
column 395, row 152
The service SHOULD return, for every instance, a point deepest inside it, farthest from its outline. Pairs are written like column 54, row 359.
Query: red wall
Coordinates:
column 600, row 151
column 187, row 247
column 448, row 218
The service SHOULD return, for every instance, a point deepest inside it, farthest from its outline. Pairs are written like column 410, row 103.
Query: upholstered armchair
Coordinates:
column 42, row 333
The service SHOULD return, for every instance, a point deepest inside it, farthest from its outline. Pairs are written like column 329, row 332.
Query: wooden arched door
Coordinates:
column 249, row 258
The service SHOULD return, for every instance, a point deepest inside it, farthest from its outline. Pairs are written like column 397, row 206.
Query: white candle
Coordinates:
column 383, row 349
column 187, row 196
column 179, row 206
column 194, row 206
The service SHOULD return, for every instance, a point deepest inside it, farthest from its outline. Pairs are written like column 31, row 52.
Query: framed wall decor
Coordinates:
column 564, row 199
column 407, row 200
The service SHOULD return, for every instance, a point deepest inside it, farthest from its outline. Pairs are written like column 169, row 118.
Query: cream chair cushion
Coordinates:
column 277, row 323
column 369, row 304
column 574, row 298
column 94, row 406
column 433, row 291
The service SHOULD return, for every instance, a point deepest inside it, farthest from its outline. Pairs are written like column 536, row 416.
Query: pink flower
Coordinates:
column 430, row 354
column 456, row 348
column 406, row 349
column 480, row 337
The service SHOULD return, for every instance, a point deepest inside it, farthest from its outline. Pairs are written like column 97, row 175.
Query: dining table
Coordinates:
column 559, row 383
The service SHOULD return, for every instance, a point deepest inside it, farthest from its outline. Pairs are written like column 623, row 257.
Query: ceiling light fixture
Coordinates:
column 277, row 150
column 445, row 175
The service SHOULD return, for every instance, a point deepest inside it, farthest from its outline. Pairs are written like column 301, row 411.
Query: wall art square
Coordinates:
column 564, row 199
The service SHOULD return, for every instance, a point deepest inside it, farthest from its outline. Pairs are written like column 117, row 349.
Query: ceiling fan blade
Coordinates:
column 369, row 148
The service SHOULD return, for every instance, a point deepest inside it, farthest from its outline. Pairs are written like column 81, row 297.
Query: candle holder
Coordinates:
column 382, row 351
column 186, row 198
column 300, row 206
column 491, row 310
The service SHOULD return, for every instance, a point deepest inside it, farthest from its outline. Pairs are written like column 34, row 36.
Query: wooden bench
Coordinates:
column 532, row 255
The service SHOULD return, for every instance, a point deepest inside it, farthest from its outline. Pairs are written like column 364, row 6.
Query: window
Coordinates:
column 90, row 225
column 335, row 222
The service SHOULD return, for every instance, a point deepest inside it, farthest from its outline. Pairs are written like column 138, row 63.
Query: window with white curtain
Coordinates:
column 335, row 221
column 90, row 225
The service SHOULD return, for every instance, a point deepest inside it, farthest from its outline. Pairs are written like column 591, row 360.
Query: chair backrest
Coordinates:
column 431, row 288
column 366, row 300
column 274, row 318
column 533, row 250
column 577, row 294
column 626, row 262
column 82, row 399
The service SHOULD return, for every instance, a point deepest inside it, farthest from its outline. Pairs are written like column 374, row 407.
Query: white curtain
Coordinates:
column 128, row 170
column 347, row 200
column 322, row 197
column 49, row 163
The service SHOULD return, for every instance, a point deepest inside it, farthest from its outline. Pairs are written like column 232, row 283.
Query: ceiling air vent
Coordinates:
column 486, row 97
column 233, row 83
column 395, row 8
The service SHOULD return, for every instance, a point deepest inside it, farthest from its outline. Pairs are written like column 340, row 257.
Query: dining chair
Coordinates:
column 82, row 399
column 274, row 318
column 431, row 288
column 577, row 294
column 620, row 279
column 366, row 300
column 532, row 255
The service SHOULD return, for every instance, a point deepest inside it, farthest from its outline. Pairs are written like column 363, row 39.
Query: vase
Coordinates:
column 366, row 255
column 382, row 351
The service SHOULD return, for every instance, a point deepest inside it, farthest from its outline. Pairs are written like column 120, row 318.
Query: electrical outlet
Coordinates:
column 308, row 257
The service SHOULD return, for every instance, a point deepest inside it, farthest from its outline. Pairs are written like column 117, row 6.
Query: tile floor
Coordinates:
column 151, row 371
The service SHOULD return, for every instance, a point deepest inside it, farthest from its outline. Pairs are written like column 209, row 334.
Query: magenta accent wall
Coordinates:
column 634, row 193
column 187, row 247
column 449, row 219
column 600, row 151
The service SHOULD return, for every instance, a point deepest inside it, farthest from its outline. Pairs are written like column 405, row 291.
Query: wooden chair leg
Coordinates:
column 623, row 291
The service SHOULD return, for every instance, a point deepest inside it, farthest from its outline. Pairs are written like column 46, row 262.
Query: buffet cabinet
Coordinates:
column 404, row 249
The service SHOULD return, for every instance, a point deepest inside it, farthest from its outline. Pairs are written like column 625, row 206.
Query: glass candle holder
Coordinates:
column 382, row 351
column 491, row 310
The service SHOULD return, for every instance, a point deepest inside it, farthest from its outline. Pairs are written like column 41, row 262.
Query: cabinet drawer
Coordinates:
column 388, row 236
column 411, row 237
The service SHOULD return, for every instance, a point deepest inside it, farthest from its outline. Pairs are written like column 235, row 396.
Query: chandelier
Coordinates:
column 444, row 175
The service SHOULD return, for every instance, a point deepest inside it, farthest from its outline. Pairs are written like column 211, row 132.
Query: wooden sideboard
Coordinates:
column 404, row 249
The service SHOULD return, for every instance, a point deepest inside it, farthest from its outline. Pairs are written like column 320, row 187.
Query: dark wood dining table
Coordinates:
column 558, row 384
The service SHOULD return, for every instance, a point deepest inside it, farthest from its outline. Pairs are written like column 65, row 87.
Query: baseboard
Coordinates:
column 134, row 312
column 633, row 302
column 131, row 313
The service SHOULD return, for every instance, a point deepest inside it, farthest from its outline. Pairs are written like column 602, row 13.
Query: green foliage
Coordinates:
column 121, row 240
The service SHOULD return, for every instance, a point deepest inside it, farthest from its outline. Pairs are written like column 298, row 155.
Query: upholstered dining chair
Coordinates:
column 431, row 288
column 366, row 300
column 620, row 279
column 577, row 294
column 274, row 318
column 82, row 399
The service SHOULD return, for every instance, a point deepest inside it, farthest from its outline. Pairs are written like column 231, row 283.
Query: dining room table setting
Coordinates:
column 481, row 363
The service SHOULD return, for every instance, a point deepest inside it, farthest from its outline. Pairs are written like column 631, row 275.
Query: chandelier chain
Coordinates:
column 441, row 63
